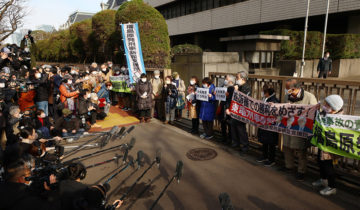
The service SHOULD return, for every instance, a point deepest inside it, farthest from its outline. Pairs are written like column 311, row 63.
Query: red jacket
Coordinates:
column 64, row 93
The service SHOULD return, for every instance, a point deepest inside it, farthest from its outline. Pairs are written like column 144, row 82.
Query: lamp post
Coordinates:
column 305, row 34
column 325, row 28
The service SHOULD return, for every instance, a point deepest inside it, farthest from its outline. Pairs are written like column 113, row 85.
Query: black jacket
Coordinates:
column 268, row 137
column 83, row 106
column 324, row 65
column 226, row 104
column 42, row 90
column 38, row 124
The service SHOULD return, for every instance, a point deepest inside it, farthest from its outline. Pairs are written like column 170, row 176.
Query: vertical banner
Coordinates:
column 338, row 134
column 133, row 52
column 202, row 94
column 220, row 93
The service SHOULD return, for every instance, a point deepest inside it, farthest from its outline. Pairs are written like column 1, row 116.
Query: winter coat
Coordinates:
column 157, row 87
column 83, row 106
column 193, row 105
column 104, row 93
column 70, row 125
column 65, row 93
column 38, row 124
column 224, row 105
column 26, row 100
column 295, row 142
column 324, row 65
column 208, row 108
column 180, row 85
column 170, row 99
column 268, row 137
column 140, row 89
column 42, row 91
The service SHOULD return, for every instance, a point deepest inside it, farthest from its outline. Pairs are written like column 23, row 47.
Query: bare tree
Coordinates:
column 12, row 13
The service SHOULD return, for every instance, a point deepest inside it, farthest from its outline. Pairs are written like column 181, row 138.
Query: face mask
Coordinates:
column 73, row 72
column 177, row 78
column 240, row 82
column 205, row 86
column 69, row 82
column 326, row 109
column 157, row 76
column 103, row 69
column 226, row 83
column 143, row 79
column 168, row 82
column 2, row 85
column 37, row 75
column 94, row 73
column 110, row 88
column 118, row 72
column 20, row 115
column 123, row 69
column 192, row 82
column 110, row 65
column 86, row 78
column 42, row 115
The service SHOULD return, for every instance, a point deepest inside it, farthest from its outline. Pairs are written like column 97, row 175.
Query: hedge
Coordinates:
column 339, row 45
column 185, row 49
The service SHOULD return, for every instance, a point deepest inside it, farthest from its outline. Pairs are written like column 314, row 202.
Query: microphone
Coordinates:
column 225, row 202
column 132, row 143
column 127, row 132
column 179, row 170
column 140, row 156
column 125, row 155
column 158, row 157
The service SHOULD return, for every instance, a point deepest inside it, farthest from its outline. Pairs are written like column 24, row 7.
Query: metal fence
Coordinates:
column 321, row 88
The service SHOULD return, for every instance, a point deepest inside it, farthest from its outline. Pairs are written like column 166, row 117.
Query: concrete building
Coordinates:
column 76, row 17
column 204, row 22
column 112, row 4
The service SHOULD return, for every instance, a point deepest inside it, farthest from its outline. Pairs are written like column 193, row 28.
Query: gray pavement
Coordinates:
column 250, row 185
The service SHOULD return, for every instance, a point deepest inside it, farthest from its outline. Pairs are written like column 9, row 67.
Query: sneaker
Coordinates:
column 328, row 191
column 320, row 183
column 269, row 163
column 261, row 159
column 300, row 176
column 203, row 135
column 209, row 137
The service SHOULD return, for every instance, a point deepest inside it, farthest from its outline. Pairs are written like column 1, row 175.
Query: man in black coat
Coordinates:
column 238, row 129
column 325, row 66
column 224, row 118
column 42, row 91
column 269, row 139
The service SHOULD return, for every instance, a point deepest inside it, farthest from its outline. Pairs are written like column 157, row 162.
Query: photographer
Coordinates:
column 42, row 91
column 27, row 42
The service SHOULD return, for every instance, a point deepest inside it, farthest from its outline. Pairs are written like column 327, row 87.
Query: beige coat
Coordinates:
column 294, row 142
column 157, row 87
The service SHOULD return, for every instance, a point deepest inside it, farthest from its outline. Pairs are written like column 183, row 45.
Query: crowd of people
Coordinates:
column 41, row 106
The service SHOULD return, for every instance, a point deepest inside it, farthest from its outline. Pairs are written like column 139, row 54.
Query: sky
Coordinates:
column 56, row 12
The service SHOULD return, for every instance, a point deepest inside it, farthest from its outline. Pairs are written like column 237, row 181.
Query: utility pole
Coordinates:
column 325, row 28
column 305, row 34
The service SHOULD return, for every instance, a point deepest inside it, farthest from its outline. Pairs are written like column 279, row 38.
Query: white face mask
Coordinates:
column 42, row 115
column 240, row 82
column 110, row 65
column 192, row 82
column 37, row 75
column 205, row 85
column 326, row 109
column 168, row 82
column 73, row 72
column 88, row 95
column 143, row 79
column 2, row 85
column 94, row 72
column 118, row 72
column 86, row 78
column 103, row 69
column 110, row 88
column 226, row 83
column 157, row 76
column 69, row 82
column 177, row 78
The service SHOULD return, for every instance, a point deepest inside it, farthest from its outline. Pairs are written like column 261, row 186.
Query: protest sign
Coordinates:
column 338, row 134
column 120, row 83
column 290, row 119
column 220, row 93
column 202, row 94
column 133, row 52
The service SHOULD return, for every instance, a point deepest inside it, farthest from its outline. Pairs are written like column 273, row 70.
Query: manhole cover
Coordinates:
column 201, row 154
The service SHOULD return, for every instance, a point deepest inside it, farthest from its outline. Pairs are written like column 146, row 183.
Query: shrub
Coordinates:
column 185, row 49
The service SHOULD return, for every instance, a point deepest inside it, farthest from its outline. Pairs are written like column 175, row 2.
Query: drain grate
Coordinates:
column 201, row 154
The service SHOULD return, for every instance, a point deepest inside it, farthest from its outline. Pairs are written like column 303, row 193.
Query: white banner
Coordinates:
column 133, row 52
column 220, row 93
column 202, row 94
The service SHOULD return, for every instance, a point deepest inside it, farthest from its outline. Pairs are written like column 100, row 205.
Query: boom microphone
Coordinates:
column 127, row 132
column 179, row 170
column 121, row 131
column 140, row 156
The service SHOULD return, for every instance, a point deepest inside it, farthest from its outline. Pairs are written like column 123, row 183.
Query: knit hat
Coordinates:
column 335, row 102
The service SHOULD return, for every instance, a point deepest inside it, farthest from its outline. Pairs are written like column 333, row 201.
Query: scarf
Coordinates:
column 298, row 97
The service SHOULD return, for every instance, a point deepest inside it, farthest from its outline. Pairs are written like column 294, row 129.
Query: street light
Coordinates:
column 325, row 28
column 305, row 34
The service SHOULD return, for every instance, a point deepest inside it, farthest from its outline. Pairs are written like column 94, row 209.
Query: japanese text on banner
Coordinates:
column 221, row 93
column 133, row 52
column 290, row 119
column 338, row 134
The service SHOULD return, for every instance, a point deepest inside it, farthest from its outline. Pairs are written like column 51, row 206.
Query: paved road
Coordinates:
column 250, row 185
